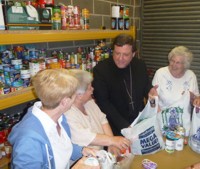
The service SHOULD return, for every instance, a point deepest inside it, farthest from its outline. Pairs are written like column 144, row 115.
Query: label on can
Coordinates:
column 126, row 24
column 115, row 11
column 56, row 18
column 121, row 23
column 169, row 145
column 179, row 144
column 114, row 23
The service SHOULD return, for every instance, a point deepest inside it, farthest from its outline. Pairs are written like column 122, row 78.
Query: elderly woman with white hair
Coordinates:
column 89, row 126
column 172, row 81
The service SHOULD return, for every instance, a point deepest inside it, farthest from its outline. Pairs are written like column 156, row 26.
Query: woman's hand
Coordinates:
column 196, row 101
column 120, row 142
column 153, row 92
column 86, row 151
column 114, row 150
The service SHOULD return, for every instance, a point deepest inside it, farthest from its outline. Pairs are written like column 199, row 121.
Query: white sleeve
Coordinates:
column 79, row 135
column 194, row 85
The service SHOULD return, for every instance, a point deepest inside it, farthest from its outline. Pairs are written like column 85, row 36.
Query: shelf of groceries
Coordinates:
column 40, row 36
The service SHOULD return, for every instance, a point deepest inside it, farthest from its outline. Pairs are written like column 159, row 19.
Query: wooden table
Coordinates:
column 164, row 160
column 4, row 163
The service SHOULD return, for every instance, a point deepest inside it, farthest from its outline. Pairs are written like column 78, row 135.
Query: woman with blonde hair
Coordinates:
column 41, row 139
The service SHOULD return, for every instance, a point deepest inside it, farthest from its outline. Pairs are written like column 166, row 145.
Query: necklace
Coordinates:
column 130, row 93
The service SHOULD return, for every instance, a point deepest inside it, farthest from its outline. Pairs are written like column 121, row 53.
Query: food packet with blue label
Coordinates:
column 145, row 133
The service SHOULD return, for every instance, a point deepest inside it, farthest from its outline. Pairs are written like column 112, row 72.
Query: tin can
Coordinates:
column 17, row 63
column 126, row 12
column 68, row 65
column 56, row 18
column 114, row 23
column 180, row 130
column 171, row 139
column 85, row 24
column 70, row 21
column 25, row 73
column 62, row 63
column 77, row 23
column 179, row 144
column 85, row 13
column 85, row 19
column 64, row 23
column 115, row 11
column 76, row 11
column 126, row 24
column 63, row 11
column 70, row 9
column 169, row 145
column 120, row 23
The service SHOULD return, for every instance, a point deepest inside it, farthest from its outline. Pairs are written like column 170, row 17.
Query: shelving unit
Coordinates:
column 36, row 36
column 39, row 36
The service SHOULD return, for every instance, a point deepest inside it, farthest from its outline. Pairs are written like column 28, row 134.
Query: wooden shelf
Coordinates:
column 8, row 37
column 18, row 97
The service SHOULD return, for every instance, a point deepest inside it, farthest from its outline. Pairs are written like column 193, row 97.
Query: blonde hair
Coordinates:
column 184, row 52
column 52, row 85
column 84, row 79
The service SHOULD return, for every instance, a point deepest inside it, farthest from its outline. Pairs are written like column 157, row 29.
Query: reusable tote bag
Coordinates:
column 194, row 138
column 178, row 114
column 144, row 132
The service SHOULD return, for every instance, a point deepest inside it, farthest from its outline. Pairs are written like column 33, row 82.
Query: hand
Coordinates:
column 153, row 92
column 86, row 151
column 120, row 142
column 114, row 150
column 194, row 99
column 194, row 166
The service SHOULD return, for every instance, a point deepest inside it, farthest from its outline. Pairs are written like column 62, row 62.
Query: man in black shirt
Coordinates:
column 121, row 83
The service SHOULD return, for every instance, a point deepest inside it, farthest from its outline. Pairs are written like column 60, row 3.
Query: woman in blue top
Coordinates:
column 42, row 138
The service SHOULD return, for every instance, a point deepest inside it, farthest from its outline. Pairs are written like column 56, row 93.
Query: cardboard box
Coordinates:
column 2, row 23
column 27, row 18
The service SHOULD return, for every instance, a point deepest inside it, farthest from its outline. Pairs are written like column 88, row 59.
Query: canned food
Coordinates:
column 121, row 23
column 169, row 145
column 114, row 23
column 126, row 24
column 180, row 130
column 56, row 18
column 179, row 144
column 171, row 138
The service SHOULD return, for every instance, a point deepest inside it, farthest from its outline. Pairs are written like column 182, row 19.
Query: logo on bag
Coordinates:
column 197, row 135
column 149, row 141
column 172, row 117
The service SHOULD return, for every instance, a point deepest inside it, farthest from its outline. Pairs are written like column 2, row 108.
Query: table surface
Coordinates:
column 164, row 160
column 4, row 163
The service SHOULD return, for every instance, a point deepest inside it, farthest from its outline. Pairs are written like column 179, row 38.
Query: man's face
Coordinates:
column 122, row 55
